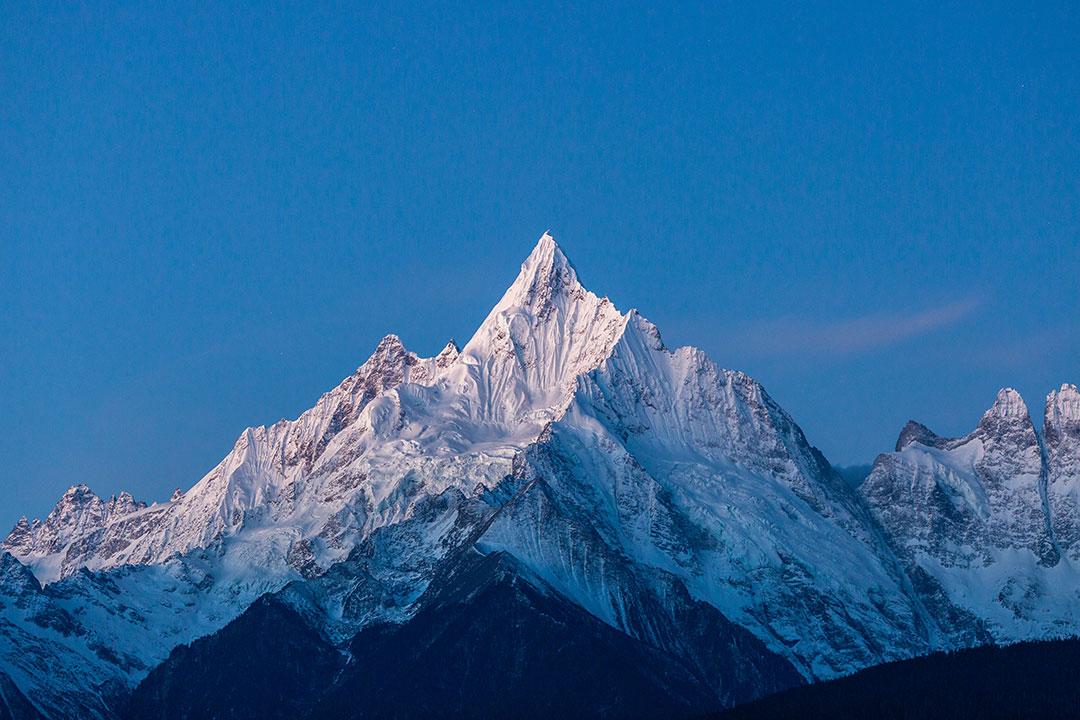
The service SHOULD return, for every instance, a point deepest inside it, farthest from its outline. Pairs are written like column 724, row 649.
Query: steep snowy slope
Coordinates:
column 401, row 437
column 1062, row 439
column 54, row 661
column 969, row 517
column 647, row 486
column 488, row 640
column 668, row 470
column 520, row 366
column 257, row 485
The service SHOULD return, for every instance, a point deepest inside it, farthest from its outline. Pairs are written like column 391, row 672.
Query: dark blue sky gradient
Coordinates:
column 208, row 217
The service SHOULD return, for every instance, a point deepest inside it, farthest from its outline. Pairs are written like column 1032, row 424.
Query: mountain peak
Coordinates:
column 448, row 354
column 1062, row 419
column 546, row 274
column 916, row 432
column 79, row 490
column 1063, row 406
column 390, row 356
column 390, row 342
column 545, row 331
column 546, row 252
column 1009, row 404
column 1007, row 420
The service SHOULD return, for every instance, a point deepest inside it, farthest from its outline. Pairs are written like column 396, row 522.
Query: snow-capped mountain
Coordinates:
column 645, row 487
column 958, row 501
column 79, row 513
column 667, row 470
column 1062, row 439
column 981, row 521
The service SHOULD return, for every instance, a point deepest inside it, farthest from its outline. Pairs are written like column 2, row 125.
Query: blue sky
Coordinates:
column 209, row 216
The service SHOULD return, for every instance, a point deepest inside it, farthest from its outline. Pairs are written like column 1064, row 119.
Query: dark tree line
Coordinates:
column 1027, row 680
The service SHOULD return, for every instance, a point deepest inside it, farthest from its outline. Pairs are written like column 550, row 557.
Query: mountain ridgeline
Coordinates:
column 563, row 516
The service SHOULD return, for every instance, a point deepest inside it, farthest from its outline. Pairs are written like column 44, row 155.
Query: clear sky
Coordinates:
column 208, row 217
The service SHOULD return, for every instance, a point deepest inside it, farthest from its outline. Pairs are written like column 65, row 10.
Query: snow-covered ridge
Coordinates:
column 83, row 531
column 629, row 477
column 987, row 517
column 514, row 376
column 78, row 513
column 547, row 329
column 1063, row 411
column 1062, row 443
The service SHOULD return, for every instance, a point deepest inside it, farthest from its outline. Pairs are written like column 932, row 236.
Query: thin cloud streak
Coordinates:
column 790, row 335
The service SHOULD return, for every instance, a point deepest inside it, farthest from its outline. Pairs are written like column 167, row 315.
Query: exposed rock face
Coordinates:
column 1011, row 473
column 973, row 518
column 47, row 654
column 665, row 498
column 959, row 501
column 1062, row 438
column 78, row 513
column 915, row 432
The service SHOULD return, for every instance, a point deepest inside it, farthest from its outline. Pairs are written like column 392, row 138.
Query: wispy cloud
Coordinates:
column 851, row 335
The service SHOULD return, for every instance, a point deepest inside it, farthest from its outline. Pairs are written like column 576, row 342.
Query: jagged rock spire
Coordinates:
column 545, row 330
column 1062, row 413
column 961, row 500
column 916, row 432
column 1009, row 406
column 545, row 275
column 1062, row 440
column 447, row 355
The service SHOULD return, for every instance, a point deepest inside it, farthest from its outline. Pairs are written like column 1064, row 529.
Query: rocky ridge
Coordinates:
column 630, row 480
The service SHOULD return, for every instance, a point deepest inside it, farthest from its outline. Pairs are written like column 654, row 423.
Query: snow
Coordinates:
column 980, row 515
column 1062, row 446
column 567, row 434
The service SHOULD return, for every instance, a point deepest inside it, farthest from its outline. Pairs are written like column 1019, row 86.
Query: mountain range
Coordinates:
column 562, row 516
